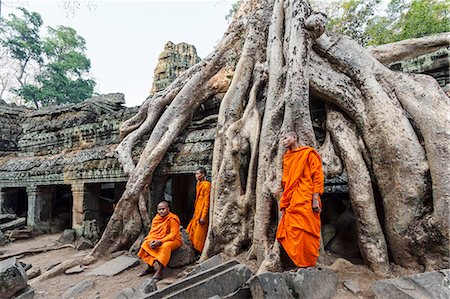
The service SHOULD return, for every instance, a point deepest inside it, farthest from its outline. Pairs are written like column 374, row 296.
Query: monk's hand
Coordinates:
column 315, row 206
column 202, row 221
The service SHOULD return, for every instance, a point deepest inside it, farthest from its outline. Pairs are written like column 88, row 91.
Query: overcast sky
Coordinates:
column 124, row 38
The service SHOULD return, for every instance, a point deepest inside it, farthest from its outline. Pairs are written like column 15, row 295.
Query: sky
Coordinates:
column 124, row 38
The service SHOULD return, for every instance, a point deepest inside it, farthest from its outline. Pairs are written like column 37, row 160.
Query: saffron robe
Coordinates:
column 167, row 230
column 197, row 232
column 299, row 228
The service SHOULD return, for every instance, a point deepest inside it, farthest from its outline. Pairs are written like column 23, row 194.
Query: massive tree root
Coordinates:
column 276, row 53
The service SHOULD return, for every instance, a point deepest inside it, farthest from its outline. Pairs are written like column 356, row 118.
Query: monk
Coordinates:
column 303, row 181
column 164, row 238
column 198, row 226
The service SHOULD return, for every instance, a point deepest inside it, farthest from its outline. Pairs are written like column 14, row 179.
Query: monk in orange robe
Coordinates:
column 198, row 226
column 164, row 238
column 303, row 181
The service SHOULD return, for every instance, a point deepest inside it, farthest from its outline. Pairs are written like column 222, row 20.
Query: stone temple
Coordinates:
column 58, row 167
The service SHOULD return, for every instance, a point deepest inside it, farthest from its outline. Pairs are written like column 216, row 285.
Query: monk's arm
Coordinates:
column 206, row 199
column 317, row 174
column 174, row 231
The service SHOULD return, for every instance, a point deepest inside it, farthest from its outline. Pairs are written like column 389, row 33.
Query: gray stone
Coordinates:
column 19, row 222
column 127, row 293
column 84, row 243
column 68, row 236
column 352, row 286
column 7, row 218
column 301, row 284
column 328, row 232
column 27, row 293
column 209, row 263
column 2, row 239
column 115, row 266
column 78, row 289
column 184, row 255
column 424, row 285
column 148, row 286
column 242, row 293
column 74, row 270
column 270, row 285
column 12, row 277
column 221, row 280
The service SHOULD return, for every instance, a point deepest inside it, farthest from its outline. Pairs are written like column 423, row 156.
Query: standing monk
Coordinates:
column 198, row 226
column 163, row 238
column 299, row 228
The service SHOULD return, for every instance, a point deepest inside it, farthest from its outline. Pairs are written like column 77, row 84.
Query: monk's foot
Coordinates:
column 147, row 271
column 157, row 277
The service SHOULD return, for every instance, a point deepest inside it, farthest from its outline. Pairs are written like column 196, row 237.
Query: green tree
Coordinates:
column 63, row 65
column 368, row 24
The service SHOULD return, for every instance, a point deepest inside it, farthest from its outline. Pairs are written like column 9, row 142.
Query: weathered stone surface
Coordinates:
column 19, row 222
column 352, row 286
column 3, row 240
column 7, row 218
column 220, row 280
column 74, row 270
column 84, row 243
column 115, row 266
column 127, row 293
column 148, row 286
column 78, row 289
column 184, row 255
column 27, row 293
column 19, row 234
column 12, row 277
column 209, row 263
column 301, row 284
column 424, row 285
column 68, row 236
column 172, row 61
column 328, row 232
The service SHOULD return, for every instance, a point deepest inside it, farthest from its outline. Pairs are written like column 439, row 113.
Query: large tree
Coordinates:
column 388, row 130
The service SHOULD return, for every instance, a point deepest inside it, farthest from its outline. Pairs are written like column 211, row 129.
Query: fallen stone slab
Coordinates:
column 221, row 280
column 78, row 289
column 424, row 285
column 305, row 283
column 148, row 286
column 19, row 234
column 115, row 266
column 127, row 293
column 74, row 270
column 12, row 277
column 209, row 263
column 84, row 243
column 7, row 218
column 3, row 239
column 352, row 286
column 19, row 222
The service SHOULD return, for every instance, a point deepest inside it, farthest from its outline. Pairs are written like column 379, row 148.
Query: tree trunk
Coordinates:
column 378, row 132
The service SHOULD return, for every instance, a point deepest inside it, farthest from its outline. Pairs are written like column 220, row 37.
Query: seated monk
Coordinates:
column 164, row 238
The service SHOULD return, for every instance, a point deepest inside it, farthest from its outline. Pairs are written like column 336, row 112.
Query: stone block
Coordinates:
column 127, row 293
column 19, row 222
column 184, row 255
column 3, row 240
column 221, row 280
column 148, row 286
column 115, row 266
column 301, row 284
column 78, row 289
column 209, row 263
column 7, row 218
column 84, row 243
column 424, row 285
column 68, row 236
column 12, row 277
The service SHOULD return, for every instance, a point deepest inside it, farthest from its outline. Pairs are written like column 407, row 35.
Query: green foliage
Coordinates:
column 233, row 10
column 365, row 22
column 62, row 61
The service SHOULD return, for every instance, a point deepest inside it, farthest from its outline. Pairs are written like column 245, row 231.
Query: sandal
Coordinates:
column 146, row 272
column 157, row 278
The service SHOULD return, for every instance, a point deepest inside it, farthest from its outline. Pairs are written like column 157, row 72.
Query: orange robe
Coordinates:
column 167, row 230
column 299, row 228
column 197, row 232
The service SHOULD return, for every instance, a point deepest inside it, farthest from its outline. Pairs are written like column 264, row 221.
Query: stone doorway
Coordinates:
column 183, row 196
column 109, row 195
column 61, row 208
column 15, row 201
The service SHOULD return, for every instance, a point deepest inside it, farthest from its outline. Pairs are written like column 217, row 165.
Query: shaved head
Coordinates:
column 291, row 134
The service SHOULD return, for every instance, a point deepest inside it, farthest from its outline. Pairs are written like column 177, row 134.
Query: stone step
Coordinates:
column 221, row 280
column 19, row 222
column 7, row 218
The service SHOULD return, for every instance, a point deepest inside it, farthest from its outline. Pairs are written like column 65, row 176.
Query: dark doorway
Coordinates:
column 110, row 194
column 61, row 208
column 15, row 201
column 183, row 196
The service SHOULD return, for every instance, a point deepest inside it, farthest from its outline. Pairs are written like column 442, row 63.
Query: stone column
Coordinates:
column 78, row 207
column 40, row 206
column 85, row 204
